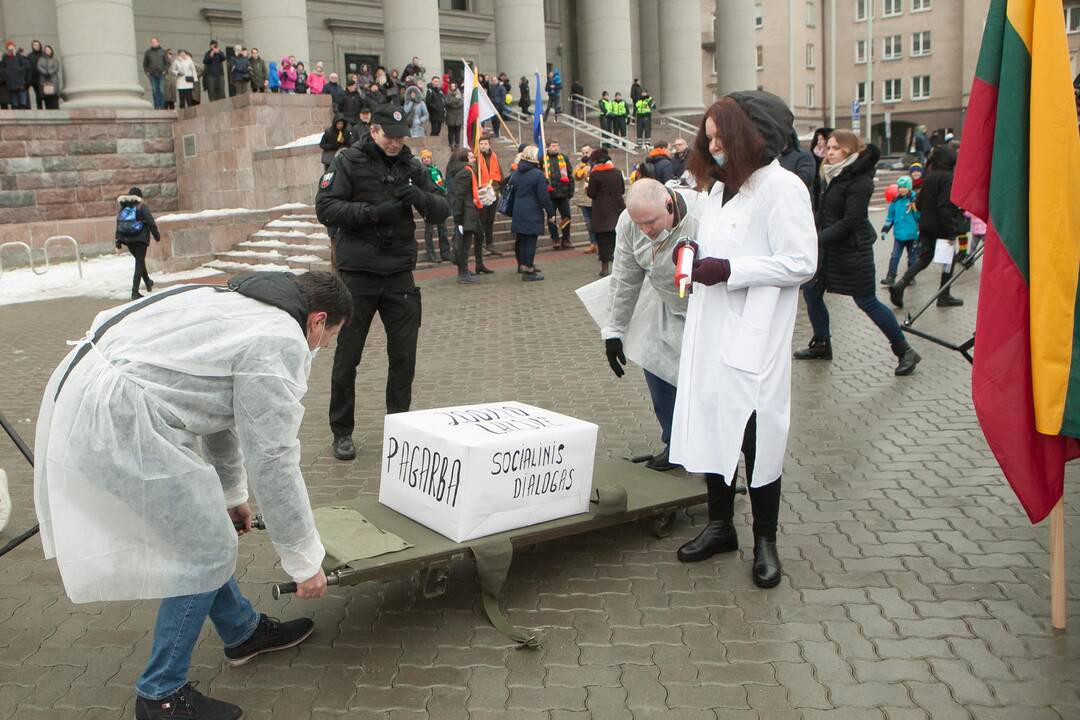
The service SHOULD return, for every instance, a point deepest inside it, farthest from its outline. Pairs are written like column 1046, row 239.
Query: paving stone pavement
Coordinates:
column 914, row 585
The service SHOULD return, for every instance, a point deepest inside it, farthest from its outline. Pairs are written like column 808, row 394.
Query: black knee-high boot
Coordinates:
column 718, row 535
column 765, row 505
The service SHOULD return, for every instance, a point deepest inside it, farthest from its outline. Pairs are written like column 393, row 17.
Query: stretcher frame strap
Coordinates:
column 492, row 566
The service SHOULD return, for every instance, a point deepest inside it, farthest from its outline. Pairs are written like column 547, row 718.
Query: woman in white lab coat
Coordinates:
column 756, row 245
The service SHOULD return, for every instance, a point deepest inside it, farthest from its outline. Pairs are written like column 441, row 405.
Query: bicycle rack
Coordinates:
column 29, row 255
column 74, row 245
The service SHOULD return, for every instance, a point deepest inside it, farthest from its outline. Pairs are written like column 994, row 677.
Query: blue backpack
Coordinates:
column 128, row 222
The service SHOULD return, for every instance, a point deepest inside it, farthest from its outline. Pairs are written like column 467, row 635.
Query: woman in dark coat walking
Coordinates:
column 846, row 248
column 468, row 218
column 134, row 226
column 606, row 188
column 531, row 203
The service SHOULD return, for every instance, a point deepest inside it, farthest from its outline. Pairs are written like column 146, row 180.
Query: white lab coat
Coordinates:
column 655, row 303
column 736, row 353
column 153, row 436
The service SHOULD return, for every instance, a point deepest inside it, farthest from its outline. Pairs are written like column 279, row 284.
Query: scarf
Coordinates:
column 475, row 188
column 340, row 137
column 829, row 172
column 560, row 159
column 490, row 170
column 604, row 166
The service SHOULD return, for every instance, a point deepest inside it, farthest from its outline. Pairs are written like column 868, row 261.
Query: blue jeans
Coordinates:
column 157, row 87
column 663, row 403
column 898, row 248
column 19, row 99
column 814, row 293
column 586, row 212
column 525, row 249
column 179, row 621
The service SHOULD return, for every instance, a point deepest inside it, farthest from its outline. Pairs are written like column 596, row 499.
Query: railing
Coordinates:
column 680, row 126
column 613, row 141
column 45, row 249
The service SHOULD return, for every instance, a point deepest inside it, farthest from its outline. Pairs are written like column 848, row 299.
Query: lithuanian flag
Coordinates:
column 1019, row 169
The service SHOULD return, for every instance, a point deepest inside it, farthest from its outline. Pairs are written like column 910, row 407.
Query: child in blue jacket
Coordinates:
column 903, row 220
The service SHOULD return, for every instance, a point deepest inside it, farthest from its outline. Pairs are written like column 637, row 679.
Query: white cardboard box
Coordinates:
column 470, row 471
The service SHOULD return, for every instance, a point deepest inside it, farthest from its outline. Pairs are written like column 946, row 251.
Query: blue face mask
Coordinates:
column 719, row 158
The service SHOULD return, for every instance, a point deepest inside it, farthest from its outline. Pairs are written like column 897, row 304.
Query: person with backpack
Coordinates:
column 134, row 226
column 240, row 70
column 903, row 219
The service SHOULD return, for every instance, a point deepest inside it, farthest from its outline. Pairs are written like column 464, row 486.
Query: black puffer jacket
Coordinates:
column 143, row 215
column 361, row 179
column 330, row 143
column 938, row 217
column 845, row 236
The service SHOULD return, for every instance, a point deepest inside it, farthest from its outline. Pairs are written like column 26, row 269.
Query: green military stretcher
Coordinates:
column 622, row 492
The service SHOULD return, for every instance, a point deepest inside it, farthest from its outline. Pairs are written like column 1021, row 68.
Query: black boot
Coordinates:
column 661, row 462
column 896, row 295
column 766, row 563
column 889, row 280
column 948, row 300
column 818, row 349
column 908, row 359
column 344, row 448
column 718, row 535
column 187, row 703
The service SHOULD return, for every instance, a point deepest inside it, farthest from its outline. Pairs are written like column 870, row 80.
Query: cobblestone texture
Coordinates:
column 915, row 586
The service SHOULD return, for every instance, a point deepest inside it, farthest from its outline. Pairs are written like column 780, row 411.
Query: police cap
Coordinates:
column 393, row 121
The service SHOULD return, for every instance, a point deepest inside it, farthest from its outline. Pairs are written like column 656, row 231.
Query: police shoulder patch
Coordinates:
column 326, row 180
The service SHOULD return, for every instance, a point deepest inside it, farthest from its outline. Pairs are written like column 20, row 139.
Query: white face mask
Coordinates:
column 313, row 353
column 663, row 236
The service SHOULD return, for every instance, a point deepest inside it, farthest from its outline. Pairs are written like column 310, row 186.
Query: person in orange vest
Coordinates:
column 490, row 172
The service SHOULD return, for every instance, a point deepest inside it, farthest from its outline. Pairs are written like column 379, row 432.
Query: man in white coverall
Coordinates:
column 148, row 434
column 655, row 219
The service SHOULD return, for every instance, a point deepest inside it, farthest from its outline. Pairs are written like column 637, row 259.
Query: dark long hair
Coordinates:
column 743, row 147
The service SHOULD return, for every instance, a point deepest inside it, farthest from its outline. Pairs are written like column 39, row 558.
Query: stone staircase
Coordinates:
column 298, row 243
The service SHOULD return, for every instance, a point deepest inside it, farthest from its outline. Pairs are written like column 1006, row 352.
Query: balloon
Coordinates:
column 891, row 192
column 509, row 98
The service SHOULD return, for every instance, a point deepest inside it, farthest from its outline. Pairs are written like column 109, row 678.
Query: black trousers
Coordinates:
column 215, row 87
column 400, row 313
column 462, row 241
column 139, row 251
column 605, row 246
column 489, row 225
column 562, row 206
column 925, row 257
column 436, row 127
column 453, row 135
column 764, row 501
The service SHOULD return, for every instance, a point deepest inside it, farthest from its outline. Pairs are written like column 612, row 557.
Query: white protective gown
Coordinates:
column 153, row 436
column 736, row 353
column 643, row 290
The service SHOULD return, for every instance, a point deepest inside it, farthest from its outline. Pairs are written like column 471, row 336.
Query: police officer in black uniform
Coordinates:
column 369, row 194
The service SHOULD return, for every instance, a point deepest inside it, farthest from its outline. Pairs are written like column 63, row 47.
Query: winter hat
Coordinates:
column 916, row 167
column 530, row 154
column 135, row 191
column 425, row 153
column 770, row 114
column 903, row 182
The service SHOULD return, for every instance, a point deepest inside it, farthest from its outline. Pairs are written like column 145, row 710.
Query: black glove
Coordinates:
column 386, row 210
column 412, row 195
column 615, row 357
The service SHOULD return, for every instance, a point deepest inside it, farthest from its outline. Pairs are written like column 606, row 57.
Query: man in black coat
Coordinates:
column 214, row 71
column 560, row 175
column 368, row 196
column 436, row 105
column 15, row 74
column 349, row 103
column 938, row 219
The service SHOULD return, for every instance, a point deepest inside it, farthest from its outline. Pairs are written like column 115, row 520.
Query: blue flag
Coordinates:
column 538, row 117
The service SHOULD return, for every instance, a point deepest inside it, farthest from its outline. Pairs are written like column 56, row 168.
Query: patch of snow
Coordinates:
column 289, row 206
column 276, row 245
column 305, row 258
column 312, row 139
column 218, row 212
column 279, row 233
column 103, row 277
column 251, row 253
column 292, row 224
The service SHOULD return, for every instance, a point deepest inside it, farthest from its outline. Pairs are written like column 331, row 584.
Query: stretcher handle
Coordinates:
column 289, row 588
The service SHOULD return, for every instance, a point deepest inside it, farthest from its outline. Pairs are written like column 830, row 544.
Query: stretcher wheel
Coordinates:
column 663, row 524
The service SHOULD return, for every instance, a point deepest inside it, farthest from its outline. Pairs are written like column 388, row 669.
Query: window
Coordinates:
column 920, row 5
column 920, row 43
column 453, row 5
column 809, row 55
column 862, row 8
column 860, row 92
column 811, row 15
column 759, row 19
column 860, row 52
column 920, row 87
column 894, row 91
column 760, row 57
column 893, row 7
column 894, row 47
column 810, row 99
column 1072, row 19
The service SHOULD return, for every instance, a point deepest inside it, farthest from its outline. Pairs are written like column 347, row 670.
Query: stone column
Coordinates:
column 650, row 49
column 604, row 52
column 97, row 49
column 278, row 28
column 680, row 56
column 635, row 38
column 736, row 51
column 411, row 27
column 519, row 40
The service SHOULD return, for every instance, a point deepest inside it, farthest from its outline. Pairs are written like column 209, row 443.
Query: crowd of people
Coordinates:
column 29, row 80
